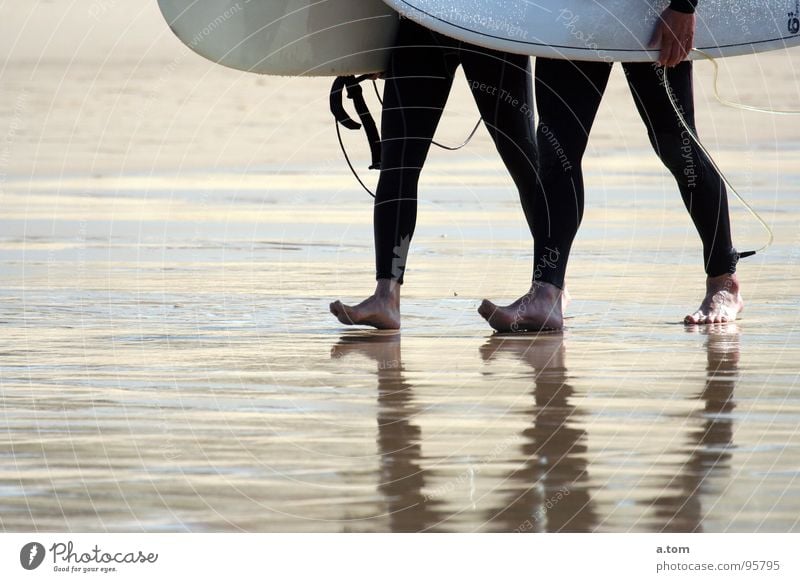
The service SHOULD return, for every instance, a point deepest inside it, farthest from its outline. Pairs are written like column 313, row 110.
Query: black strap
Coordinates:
column 337, row 108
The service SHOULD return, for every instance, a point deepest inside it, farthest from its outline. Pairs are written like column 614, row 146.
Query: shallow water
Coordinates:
column 169, row 364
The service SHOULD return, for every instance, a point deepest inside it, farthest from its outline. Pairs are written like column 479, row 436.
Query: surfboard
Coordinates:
column 286, row 37
column 605, row 30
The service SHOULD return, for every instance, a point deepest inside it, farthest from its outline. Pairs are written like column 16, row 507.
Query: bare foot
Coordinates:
column 721, row 304
column 541, row 308
column 381, row 310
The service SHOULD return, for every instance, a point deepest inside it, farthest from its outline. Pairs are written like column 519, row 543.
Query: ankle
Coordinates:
column 545, row 290
column 726, row 282
column 388, row 289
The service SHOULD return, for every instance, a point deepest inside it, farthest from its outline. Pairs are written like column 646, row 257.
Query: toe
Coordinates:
column 487, row 308
column 345, row 316
column 692, row 319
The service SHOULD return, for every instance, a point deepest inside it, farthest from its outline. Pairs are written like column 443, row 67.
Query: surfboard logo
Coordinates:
column 794, row 19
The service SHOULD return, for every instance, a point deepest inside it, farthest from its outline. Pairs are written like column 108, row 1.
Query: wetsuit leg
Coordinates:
column 568, row 94
column 418, row 82
column 701, row 186
column 503, row 91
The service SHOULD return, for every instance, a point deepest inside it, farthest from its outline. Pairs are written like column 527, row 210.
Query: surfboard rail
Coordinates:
column 286, row 37
column 605, row 30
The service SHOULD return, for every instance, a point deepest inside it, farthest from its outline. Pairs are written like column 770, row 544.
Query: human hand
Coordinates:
column 674, row 36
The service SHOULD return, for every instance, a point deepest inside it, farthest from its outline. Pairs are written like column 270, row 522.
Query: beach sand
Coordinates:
column 172, row 234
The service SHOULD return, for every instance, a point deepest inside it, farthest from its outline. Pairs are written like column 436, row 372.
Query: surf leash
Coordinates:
column 733, row 104
column 354, row 93
column 433, row 141
column 352, row 84
column 696, row 140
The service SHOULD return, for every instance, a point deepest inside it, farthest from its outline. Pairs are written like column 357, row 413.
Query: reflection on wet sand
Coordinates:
column 710, row 443
column 549, row 489
column 167, row 364
column 401, row 478
column 549, row 492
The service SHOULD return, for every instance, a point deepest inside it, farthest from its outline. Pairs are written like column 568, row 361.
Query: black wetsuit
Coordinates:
column 418, row 82
column 568, row 94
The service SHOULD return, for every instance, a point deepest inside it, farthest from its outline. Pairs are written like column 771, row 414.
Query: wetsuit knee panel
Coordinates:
column 680, row 155
column 554, row 158
column 561, row 150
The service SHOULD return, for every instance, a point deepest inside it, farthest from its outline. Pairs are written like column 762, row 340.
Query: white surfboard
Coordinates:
column 605, row 30
column 286, row 37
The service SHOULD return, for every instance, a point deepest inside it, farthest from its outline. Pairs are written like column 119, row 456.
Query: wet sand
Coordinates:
column 168, row 361
column 169, row 364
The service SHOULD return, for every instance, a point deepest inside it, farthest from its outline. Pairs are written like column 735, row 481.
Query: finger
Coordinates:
column 687, row 43
column 683, row 54
column 666, row 41
column 688, row 46
column 674, row 52
column 680, row 51
column 655, row 39
column 663, row 47
column 675, row 56
column 676, row 47
column 666, row 59
column 666, row 50
column 680, row 48
column 667, row 44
